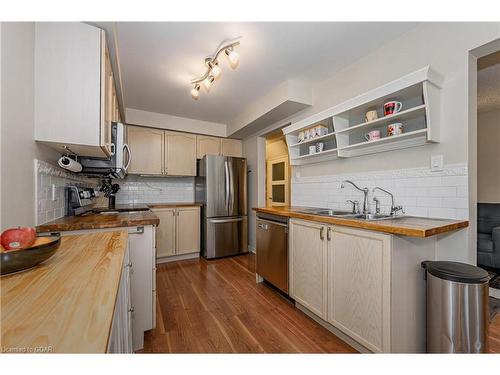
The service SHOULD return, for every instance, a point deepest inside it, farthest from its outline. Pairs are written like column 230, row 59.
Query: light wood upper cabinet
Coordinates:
column 308, row 265
column 165, row 244
column 73, row 81
column 231, row 147
column 188, row 230
column 180, row 154
column 206, row 145
column 359, row 285
column 146, row 149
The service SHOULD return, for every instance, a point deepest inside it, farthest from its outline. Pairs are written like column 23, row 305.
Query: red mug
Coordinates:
column 392, row 107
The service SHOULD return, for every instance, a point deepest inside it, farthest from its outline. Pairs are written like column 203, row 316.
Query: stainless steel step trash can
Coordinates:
column 457, row 308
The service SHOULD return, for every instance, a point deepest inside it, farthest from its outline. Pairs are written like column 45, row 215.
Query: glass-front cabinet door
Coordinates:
column 278, row 190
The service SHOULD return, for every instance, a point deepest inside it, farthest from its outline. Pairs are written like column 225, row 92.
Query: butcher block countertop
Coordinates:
column 406, row 226
column 66, row 304
column 100, row 221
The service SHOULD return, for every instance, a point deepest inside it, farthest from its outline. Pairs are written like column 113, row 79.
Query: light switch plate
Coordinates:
column 436, row 163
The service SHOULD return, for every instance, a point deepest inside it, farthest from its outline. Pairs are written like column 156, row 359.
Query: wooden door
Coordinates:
column 107, row 85
column 278, row 182
column 308, row 265
column 165, row 233
column 231, row 147
column 188, row 230
column 207, row 146
column 180, row 154
column 359, row 286
column 146, row 148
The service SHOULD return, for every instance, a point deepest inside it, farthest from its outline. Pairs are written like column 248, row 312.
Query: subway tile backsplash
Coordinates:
column 138, row 189
column 53, row 207
column 421, row 192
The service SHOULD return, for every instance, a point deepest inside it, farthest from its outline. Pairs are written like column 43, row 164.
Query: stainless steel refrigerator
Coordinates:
column 221, row 187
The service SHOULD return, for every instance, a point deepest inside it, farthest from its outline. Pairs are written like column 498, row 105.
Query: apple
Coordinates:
column 18, row 238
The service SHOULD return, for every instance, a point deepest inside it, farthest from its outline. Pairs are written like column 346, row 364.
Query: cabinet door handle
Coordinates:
column 328, row 234
column 321, row 233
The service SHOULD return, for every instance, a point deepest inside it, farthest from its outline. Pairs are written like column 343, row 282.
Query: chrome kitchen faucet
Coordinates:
column 364, row 191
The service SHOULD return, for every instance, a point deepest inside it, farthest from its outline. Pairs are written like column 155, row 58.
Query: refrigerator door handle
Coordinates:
column 231, row 188
column 222, row 221
column 226, row 185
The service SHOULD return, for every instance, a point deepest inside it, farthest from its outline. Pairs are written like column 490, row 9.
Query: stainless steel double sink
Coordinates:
column 346, row 214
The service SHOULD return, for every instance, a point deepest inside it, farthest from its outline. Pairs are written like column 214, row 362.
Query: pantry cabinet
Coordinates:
column 231, row 147
column 308, row 265
column 74, row 85
column 146, row 148
column 359, row 285
column 178, row 231
column 206, row 145
column 180, row 154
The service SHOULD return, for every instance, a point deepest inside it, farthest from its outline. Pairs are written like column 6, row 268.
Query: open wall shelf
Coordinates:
column 419, row 94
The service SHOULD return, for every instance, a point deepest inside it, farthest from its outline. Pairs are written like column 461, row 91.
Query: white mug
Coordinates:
column 312, row 149
column 319, row 146
column 395, row 129
column 371, row 115
column 373, row 135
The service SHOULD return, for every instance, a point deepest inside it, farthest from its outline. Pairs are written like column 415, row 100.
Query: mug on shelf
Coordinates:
column 392, row 107
column 312, row 149
column 373, row 135
column 395, row 129
column 320, row 146
column 371, row 116
column 301, row 136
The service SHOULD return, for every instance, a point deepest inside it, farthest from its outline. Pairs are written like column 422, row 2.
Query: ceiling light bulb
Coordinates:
column 233, row 56
column 195, row 92
column 216, row 70
column 208, row 82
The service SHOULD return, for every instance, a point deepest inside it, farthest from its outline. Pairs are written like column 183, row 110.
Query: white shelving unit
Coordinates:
column 419, row 94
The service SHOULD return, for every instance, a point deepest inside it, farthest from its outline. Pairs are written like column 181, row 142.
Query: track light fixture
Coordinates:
column 214, row 71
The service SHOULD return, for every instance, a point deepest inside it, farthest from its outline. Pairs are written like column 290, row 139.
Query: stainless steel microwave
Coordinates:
column 115, row 166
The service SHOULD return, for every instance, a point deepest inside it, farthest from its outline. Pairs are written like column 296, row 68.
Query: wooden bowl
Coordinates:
column 22, row 259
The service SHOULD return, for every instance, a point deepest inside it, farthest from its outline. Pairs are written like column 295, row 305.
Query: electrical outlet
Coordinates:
column 436, row 163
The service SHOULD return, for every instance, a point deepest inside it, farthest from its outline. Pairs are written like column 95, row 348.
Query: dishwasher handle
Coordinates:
column 271, row 222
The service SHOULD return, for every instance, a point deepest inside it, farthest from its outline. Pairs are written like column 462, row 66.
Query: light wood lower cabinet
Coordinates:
column 178, row 231
column 343, row 276
column 359, row 285
column 308, row 265
column 146, row 149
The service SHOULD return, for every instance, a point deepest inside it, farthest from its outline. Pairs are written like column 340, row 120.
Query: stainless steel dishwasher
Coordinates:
column 272, row 250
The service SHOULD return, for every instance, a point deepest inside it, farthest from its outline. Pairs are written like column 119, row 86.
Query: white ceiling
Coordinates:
column 158, row 60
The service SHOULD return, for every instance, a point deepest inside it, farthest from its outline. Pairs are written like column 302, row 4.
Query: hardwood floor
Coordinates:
column 216, row 307
column 495, row 335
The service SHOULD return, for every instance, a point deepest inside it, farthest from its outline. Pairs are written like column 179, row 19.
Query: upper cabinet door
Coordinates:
column 207, row 146
column 180, row 154
column 146, row 149
column 68, row 79
column 231, row 147
column 107, row 98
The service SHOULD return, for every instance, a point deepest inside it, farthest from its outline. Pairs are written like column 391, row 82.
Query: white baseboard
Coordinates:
column 175, row 258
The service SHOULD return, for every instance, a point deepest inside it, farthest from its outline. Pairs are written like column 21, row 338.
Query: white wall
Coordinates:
column 160, row 120
column 488, row 157
column 18, row 149
column 443, row 46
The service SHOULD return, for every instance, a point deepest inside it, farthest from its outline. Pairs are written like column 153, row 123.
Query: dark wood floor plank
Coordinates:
column 217, row 307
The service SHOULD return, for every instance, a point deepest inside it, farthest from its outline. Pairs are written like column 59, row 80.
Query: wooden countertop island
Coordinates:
column 406, row 226
column 66, row 304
